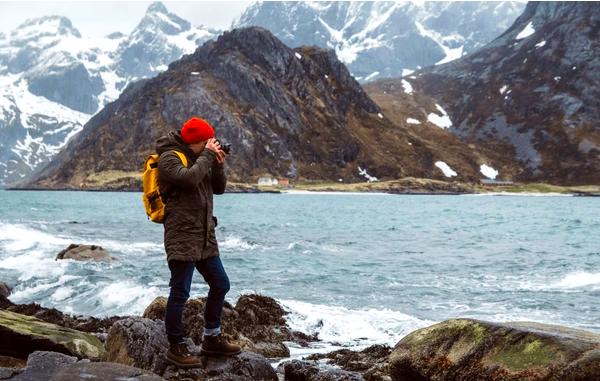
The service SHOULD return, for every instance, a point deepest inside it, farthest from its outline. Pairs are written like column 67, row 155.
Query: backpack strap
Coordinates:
column 182, row 157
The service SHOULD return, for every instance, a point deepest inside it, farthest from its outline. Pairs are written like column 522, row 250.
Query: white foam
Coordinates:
column 15, row 237
column 126, row 297
column 578, row 279
column 24, row 294
column 351, row 327
column 233, row 243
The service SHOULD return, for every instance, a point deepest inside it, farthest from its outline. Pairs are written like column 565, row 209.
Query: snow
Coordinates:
column 407, row 86
column 365, row 174
column 574, row 67
column 503, row 89
column 540, row 44
column 380, row 115
column 168, row 20
column 448, row 172
column 406, row 72
column 440, row 121
column 298, row 55
column 371, row 76
column 412, row 121
column 488, row 171
column 195, row 73
column 526, row 32
column 451, row 53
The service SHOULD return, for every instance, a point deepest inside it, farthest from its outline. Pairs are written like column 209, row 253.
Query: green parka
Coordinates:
column 188, row 195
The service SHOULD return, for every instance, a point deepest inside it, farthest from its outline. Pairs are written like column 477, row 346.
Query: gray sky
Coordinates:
column 99, row 18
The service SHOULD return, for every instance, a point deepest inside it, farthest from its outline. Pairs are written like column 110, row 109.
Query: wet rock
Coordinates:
column 256, row 322
column 4, row 290
column 104, row 371
column 41, row 365
column 84, row 253
column 465, row 349
column 138, row 342
column 298, row 370
column 142, row 343
column 21, row 335
column 371, row 362
column 51, row 315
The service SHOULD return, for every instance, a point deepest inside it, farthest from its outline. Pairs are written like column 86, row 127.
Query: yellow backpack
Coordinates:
column 155, row 207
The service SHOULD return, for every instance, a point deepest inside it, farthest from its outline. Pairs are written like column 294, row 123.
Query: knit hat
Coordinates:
column 196, row 130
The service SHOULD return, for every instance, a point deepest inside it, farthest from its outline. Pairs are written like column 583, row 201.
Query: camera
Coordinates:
column 225, row 147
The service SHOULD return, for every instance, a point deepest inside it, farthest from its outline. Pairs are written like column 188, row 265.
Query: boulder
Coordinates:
column 256, row 322
column 466, row 349
column 103, row 371
column 371, row 362
column 85, row 253
column 53, row 366
column 298, row 370
column 4, row 290
column 142, row 343
column 138, row 342
column 21, row 335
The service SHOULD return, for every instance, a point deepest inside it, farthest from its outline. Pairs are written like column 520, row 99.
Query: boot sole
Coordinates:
column 215, row 353
column 182, row 365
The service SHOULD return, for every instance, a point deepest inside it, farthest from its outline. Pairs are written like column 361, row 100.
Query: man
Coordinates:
column 190, row 241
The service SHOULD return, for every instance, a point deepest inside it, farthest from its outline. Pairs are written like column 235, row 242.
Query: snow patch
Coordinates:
column 540, row 44
column 412, row 121
column 380, row 115
column 365, row 174
column 371, row 76
column 440, row 121
column 407, row 86
column 526, row 32
column 298, row 55
column 448, row 172
column 488, row 171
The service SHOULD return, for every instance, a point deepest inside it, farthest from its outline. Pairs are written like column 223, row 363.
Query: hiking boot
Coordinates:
column 218, row 346
column 180, row 356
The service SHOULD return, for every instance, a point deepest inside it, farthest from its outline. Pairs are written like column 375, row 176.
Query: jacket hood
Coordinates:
column 173, row 141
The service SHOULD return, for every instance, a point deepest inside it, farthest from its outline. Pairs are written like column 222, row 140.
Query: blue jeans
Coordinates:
column 181, row 280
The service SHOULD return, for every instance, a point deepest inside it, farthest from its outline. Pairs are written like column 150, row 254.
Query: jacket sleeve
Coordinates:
column 219, row 179
column 171, row 169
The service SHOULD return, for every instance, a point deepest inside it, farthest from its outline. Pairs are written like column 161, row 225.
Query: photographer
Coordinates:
column 189, row 236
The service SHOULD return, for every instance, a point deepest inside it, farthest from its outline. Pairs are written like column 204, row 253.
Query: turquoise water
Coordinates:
column 357, row 268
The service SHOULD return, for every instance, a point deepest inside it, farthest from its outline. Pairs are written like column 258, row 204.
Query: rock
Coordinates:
column 142, row 343
column 257, row 323
column 27, row 334
column 104, row 371
column 371, row 362
column 138, row 342
column 4, row 289
column 41, row 365
column 84, row 253
column 298, row 370
column 51, row 315
column 465, row 349
column 11, row 362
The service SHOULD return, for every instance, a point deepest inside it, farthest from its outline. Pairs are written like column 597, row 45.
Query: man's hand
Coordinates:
column 213, row 145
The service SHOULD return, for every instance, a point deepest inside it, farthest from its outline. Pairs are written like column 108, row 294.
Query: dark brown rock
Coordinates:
column 298, row 370
column 371, row 362
column 4, row 290
column 84, row 253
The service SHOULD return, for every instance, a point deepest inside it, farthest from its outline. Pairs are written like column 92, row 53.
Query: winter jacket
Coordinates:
column 188, row 195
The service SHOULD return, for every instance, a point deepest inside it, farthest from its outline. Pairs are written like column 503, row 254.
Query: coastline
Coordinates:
column 404, row 186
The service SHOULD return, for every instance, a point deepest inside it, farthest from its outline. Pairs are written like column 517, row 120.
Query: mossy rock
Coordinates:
column 465, row 349
column 21, row 335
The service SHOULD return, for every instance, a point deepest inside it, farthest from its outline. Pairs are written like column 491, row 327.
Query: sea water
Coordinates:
column 357, row 269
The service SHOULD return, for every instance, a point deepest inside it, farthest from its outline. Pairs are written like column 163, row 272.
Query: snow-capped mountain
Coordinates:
column 53, row 79
column 385, row 38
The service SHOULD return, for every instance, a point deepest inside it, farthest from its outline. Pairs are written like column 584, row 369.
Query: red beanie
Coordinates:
column 196, row 130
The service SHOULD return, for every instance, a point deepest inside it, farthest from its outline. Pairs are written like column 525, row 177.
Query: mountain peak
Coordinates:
column 159, row 19
column 35, row 28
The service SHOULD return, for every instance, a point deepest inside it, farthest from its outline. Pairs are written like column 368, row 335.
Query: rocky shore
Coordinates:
column 38, row 343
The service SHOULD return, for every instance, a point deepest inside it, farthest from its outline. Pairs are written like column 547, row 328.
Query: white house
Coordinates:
column 267, row 181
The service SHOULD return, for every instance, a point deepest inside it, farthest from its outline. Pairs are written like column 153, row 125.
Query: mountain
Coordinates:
column 533, row 93
column 296, row 113
column 53, row 79
column 385, row 38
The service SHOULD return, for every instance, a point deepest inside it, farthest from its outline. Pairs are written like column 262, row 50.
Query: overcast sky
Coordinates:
column 99, row 18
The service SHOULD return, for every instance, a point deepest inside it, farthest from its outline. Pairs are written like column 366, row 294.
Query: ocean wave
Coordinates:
column 18, row 237
column 233, row 243
column 126, row 297
column 348, row 327
column 578, row 279
column 23, row 293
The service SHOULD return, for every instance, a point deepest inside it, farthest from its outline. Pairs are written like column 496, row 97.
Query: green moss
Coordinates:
column 80, row 343
column 532, row 354
column 470, row 332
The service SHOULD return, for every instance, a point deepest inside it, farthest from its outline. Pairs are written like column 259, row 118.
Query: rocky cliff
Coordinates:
column 532, row 94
